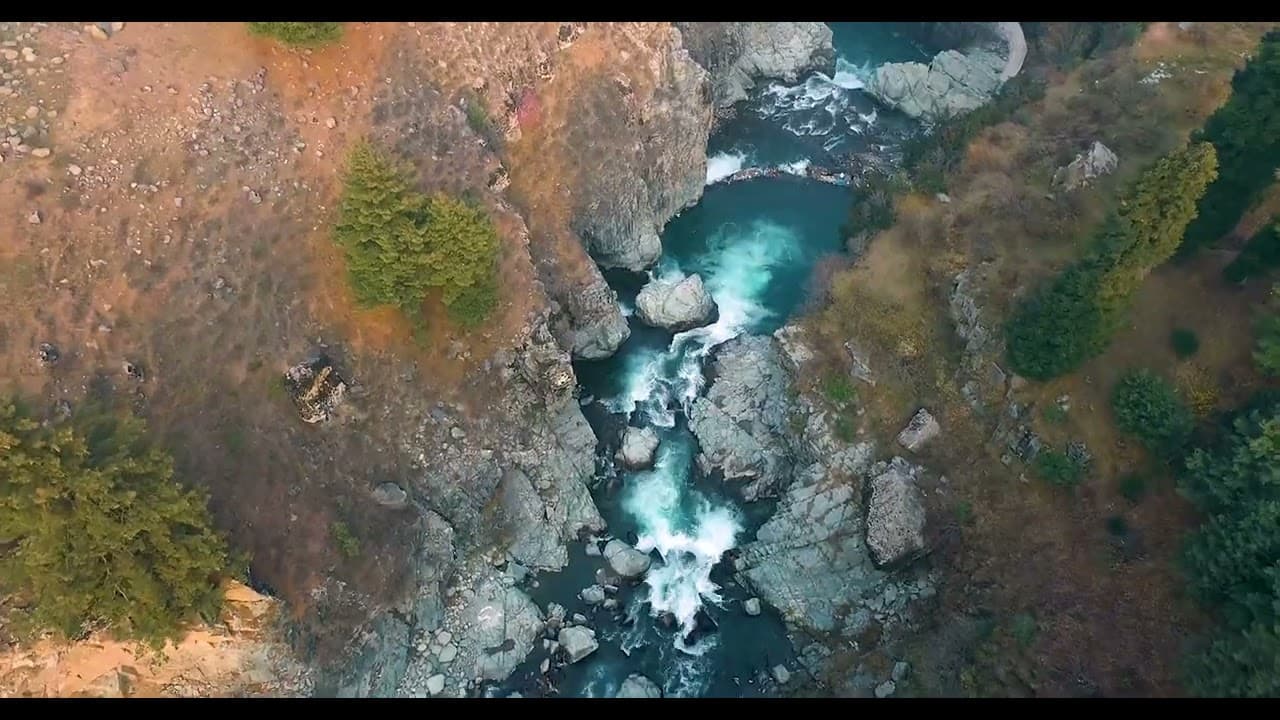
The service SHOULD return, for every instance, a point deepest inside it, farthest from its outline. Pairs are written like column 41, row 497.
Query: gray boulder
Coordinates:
column 598, row 327
column 751, row 606
column 895, row 517
column 578, row 642
column 522, row 516
column 1087, row 167
column 391, row 495
column 781, row 674
column 638, row 686
column 919, row 430
column 626, row 560
column 638, row 447
column 676, row 305
column 592, row 595
column 885, row 689
column 742, row 424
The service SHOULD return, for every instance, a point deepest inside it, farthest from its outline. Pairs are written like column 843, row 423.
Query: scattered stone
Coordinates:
column 638, row 686
column 593, row 549
column 32, row 112
column 444, row 637
column 751, row 606
column 331, row 123
column 578, row 642
column 900, row 671
column 885, row 689
column 48, row 354
column 593, row 595
column 316, row 388
column 98, row 33
column 254, row 197
column 545, row 666
column 638, row 448
column 435, row 684
column 859, row 369
column 943, row 198
column 135, row 371
column 41, row 152
column 676, row 305
column 448, row 653
column 895, row 518
column 1088, row 166
column 781, row 674
column 921, row 429
column 74, row 170
column 579, row 618
column 626, row 560
column 389, row 494
column 177, row 202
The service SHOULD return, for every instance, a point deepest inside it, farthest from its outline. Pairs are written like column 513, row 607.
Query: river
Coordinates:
column 754, row 243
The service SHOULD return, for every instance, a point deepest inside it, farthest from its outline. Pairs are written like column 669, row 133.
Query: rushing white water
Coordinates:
column 689, row 533
column 722, row 165
column 821, row 106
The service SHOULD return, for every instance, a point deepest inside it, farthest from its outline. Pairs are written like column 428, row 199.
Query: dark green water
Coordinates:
column 754, row 243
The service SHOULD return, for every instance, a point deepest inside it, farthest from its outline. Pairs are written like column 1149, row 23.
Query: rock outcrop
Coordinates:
column 577, row 642
column 676, row 305
column 737, row 53
column 598, row 327
column 952, row 84
column 919, row 431
column 638, row 448
column 1087, row 167
column 742, row 422
column 895, row 516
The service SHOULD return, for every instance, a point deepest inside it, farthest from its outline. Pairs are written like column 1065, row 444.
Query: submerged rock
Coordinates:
column 626, row 560
column 676, row 305
column 921, row 429
column 578, row 642
column 895, row 517
column 1087, row 167
column 638, row 447
column 638, row 686
column 593, row 595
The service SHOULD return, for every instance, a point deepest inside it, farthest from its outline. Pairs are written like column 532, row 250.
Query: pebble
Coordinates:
column 40, row 152
column 331, row 123
column 32, row 112
column 448, row 653
column 781, row 674
column 74, row 170
column 96, row 32
column 435, row 684
column 443, row 637
column 34, row 217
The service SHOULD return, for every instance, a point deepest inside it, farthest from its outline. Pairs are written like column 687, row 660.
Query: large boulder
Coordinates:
column 919, row 430
column 952, row 84
column 638, row 448
column 676, row 305
column 1087, row 167
column 742, row 424
column 895, row 517
column 625, row 560
column 316, row 388
column 598, row 326
column 578, row 642
column 638, row 686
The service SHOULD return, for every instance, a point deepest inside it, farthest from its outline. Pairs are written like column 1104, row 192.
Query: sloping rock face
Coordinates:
column 741, row 423
column 737, row 53
column 238, row 658
column 676, row 305
column 895, row 517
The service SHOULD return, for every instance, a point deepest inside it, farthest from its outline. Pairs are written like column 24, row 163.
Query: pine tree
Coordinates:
column 97, row 535
column 464, row 244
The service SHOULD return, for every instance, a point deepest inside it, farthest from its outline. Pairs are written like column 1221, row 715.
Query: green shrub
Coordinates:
column 1058, row 328
column 97, row 535
column 399, row 243
column 1267, row 351
column 1260, row 255
column 347, row 543
column 964, row 512
column 1058, row 469
column 1024, row 629
column 1184, row 342
column 298, row 33
column 1148, row 407
column 1133, row 487
column 1054, row 414
column 838, row 388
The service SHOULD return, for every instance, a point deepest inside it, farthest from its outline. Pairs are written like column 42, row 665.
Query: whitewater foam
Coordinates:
column 722, row 165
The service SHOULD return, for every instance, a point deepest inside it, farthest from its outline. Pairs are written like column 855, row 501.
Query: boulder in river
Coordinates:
column 895, row 518
column 676, row 305
column 751, row 606
column 638, row 447
column 638, row 686
column 952, row 84
column 626, row 560
column 592, row 595
column 578, row 642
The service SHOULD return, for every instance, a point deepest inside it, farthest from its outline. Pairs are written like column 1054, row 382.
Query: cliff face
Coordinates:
column 581, row 140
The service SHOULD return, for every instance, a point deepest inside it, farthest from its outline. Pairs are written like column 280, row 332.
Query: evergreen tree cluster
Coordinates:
column 400, row 243
column 96, row 535
column 1072, row 319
